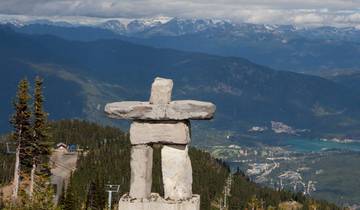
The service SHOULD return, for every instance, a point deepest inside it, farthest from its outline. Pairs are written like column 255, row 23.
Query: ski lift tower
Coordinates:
column 10, row 148
column 111, row 188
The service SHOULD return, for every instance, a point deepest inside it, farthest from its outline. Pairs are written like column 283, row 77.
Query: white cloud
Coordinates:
column 300, row 12
column 310, row 18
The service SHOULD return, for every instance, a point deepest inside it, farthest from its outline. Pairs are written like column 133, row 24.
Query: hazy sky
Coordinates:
column 322, row 12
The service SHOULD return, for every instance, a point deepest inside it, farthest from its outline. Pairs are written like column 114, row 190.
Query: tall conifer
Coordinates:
column 22, row 131
column 70, row 202
column 43, row 192
column 42, row 140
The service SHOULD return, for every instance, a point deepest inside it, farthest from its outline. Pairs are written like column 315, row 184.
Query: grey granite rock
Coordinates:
column 160, row 132
column 175, row 110
column 176, row 172
column 161, row 91
column 155, row 202
column 141, row 163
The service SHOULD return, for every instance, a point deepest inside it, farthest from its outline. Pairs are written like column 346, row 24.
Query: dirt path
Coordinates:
column 63, row 164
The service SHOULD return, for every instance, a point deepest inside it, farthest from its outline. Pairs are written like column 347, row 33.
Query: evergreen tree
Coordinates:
column 90, row 200
column 42, row 141
column 254, row 203
column 61, row 201
column 96, row 196
column 22, row 132
column 34, row 149
column 43, row 192
column 70, row 197
column 43, row 196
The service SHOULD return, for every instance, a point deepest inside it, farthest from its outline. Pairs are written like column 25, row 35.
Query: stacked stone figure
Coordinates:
column 160, row 121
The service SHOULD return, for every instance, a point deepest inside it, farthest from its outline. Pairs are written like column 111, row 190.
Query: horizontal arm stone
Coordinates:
column 175, row 110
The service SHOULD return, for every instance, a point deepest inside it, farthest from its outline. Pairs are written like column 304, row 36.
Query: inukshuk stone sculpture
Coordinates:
column 160, row 121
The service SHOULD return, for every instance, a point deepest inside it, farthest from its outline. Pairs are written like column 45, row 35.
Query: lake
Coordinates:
column 317, row 145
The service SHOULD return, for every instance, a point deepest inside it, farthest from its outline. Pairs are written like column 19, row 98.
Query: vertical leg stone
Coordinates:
column 141, row 171
column 177, row 172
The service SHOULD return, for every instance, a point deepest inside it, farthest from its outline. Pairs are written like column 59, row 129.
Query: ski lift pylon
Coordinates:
column 10, row 150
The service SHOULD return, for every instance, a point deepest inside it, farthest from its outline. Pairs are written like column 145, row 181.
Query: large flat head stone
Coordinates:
column 161, row 91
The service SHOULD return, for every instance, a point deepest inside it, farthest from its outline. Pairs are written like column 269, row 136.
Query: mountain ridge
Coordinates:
column 285, row 47
column 246, row 94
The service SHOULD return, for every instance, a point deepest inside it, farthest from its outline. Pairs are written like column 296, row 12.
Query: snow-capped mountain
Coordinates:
column 118, row 25
column 286, row 47
column 167, row 26
column 131, row 26
column 180, row 26
column 114, row 25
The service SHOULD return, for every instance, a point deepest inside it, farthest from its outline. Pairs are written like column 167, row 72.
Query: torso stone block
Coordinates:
column 160, row 132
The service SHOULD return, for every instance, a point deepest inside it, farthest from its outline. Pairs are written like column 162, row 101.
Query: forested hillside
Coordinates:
column 6, row 162
column 94, row 73
column 106, row 159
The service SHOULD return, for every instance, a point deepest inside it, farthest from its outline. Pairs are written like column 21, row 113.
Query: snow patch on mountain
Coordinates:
column 168, row 26
column 22, row 20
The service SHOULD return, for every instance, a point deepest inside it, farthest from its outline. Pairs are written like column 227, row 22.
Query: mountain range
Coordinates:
column 313, row 50
column 80, row 77
column 272, row 85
